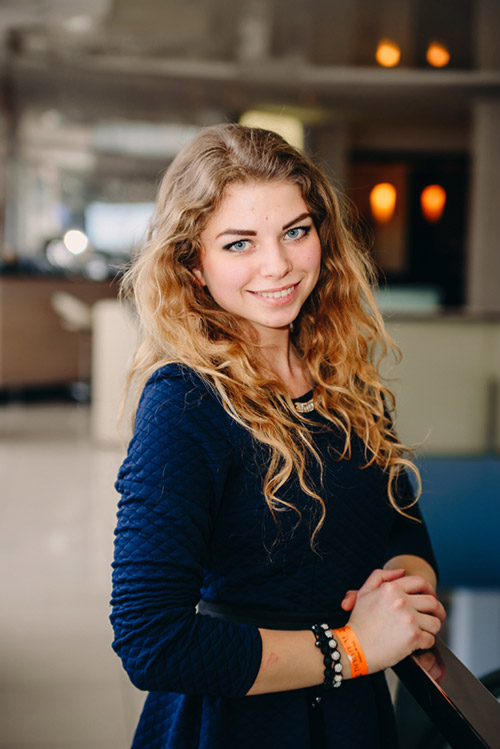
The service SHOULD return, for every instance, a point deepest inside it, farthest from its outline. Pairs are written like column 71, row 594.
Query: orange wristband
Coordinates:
column 350, row 643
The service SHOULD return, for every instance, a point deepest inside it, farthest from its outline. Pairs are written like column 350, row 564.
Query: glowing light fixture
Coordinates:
column 288, row 126
column 383, row 202
column 432, row 201
column 437, row 55
column 388, row 53
column 75, row 241
column 78, row 24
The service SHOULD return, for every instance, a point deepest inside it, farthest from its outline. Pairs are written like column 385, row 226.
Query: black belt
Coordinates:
column 289, row 620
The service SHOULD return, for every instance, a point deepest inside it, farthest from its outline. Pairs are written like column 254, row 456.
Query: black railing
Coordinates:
column 462, row 709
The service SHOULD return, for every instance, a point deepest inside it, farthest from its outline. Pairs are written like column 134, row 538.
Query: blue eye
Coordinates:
column 297, row 232
column 239, row 246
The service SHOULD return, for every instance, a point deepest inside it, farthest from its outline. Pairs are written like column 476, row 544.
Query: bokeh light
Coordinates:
column 388, row 53
column 383, row 202
column 437, row 55
column 75, row 241
column 432, row 201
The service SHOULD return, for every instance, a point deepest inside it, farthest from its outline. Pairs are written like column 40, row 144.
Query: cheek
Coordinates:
column 224, row 278
column 313, row 259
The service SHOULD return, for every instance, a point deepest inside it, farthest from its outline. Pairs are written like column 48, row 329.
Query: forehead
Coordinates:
column 269, row 201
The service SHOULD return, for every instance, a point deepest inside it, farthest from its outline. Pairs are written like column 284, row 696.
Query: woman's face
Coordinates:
column 261, row 254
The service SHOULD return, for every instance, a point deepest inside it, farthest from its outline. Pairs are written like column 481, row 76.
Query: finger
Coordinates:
column 429, row 663
column 437, row 672
column 429, row 623
column 416, row 584
column 436, row 610
column 424, row 640
column 378, row 577
column 349, row 600
column 426, row 659
column 428, row 605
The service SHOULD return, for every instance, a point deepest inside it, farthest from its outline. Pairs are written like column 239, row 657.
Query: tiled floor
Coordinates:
column 61, row 686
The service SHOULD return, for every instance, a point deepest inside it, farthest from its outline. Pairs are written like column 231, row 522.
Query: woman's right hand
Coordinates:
column 395, row 615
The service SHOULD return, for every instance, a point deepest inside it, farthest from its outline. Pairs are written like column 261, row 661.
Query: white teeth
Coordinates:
column 276, row 294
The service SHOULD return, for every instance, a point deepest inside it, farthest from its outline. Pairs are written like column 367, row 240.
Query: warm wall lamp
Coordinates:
column 388, row 53
column 383, row 202
column 432, row 201
column 437, row 55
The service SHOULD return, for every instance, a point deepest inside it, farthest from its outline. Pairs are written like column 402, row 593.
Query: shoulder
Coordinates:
column 176, row 397
column 175, row 386
column 181, row 448
column 179, row 422
column 177, row 378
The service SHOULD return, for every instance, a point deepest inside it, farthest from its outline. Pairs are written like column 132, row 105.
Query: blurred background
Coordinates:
column 399, row 101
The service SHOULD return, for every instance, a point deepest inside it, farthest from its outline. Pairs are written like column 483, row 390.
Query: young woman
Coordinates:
column 265, row 500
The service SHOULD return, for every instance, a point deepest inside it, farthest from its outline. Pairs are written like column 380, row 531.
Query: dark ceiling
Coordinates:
column 162, row 56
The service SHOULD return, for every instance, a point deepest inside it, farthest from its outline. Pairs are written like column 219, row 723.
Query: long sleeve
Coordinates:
column 171, row 484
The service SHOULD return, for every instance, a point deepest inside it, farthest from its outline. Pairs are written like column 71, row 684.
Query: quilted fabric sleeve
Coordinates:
column 171, row 483
column 409, row 536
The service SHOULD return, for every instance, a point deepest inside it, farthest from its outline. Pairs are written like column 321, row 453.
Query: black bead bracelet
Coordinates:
column 326, row 642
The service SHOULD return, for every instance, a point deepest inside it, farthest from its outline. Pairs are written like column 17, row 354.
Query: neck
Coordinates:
column 281, row 358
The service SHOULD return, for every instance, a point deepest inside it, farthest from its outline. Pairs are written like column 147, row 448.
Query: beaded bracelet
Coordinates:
column 326, row 642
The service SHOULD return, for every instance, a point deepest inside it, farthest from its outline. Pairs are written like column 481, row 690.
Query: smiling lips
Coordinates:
column 276, row 294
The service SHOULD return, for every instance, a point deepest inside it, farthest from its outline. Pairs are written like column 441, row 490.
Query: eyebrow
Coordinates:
column 253, row 233
column 299, row 218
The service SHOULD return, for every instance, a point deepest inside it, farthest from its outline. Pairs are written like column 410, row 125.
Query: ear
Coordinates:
column 198, row 274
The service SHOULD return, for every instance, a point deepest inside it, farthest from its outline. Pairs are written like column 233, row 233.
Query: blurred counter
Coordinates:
column 37, row 345
column 447, row 385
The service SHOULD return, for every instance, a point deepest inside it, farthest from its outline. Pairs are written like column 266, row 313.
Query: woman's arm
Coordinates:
column 393, row 615
column 413, row 565
column 171, row 483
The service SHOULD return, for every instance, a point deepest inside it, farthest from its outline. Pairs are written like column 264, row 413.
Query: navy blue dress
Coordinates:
column 193, row 524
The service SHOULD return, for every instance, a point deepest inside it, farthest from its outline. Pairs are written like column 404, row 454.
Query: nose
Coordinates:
column 275, row 261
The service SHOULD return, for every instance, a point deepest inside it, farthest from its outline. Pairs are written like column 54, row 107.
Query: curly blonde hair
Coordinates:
column 339, row 332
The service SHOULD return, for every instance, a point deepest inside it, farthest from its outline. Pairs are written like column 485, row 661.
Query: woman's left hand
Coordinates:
column 412, row 565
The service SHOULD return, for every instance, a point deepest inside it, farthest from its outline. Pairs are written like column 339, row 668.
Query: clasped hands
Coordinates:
column 393, row 615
